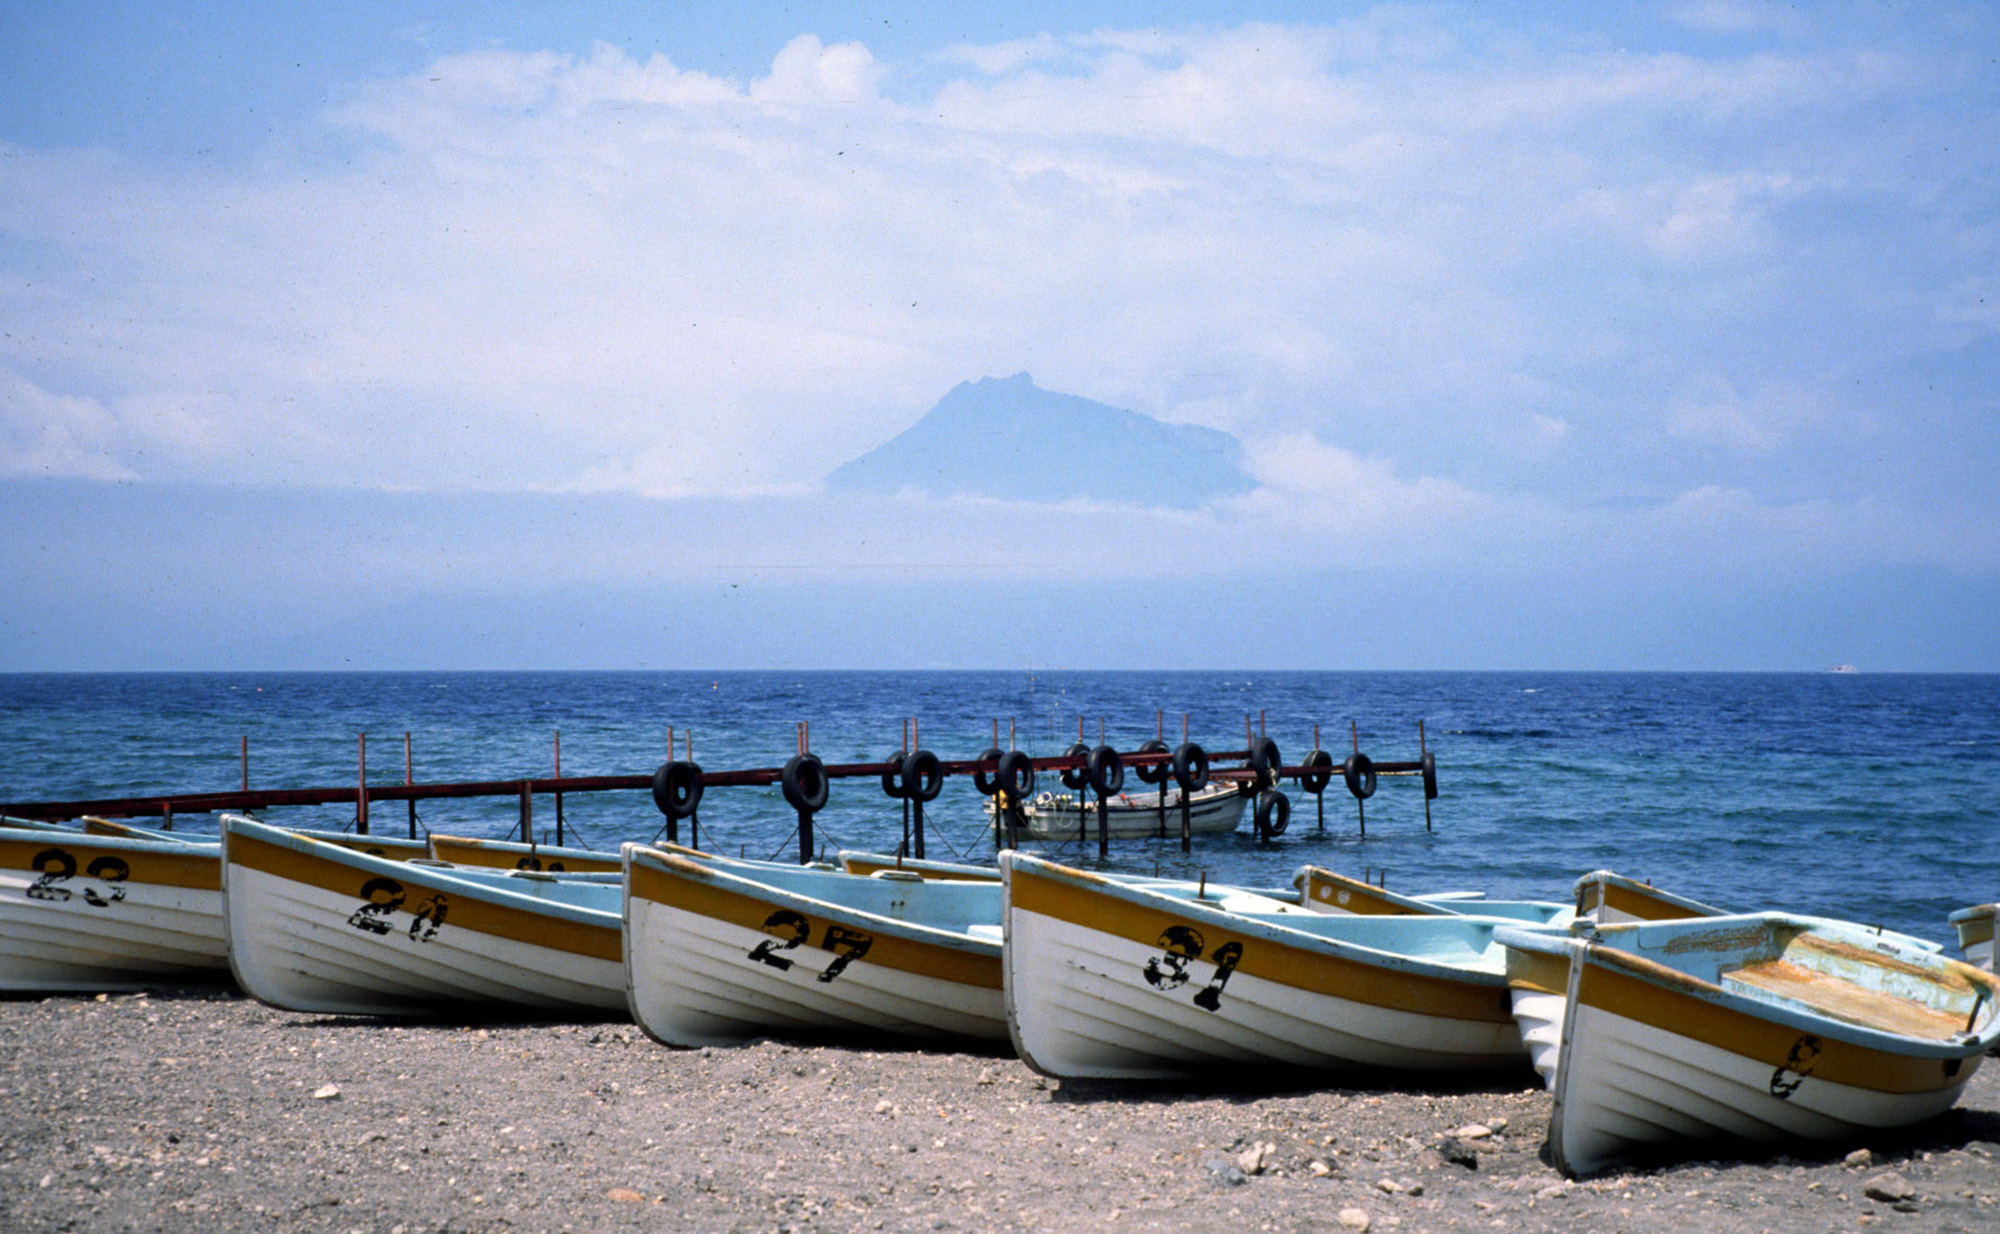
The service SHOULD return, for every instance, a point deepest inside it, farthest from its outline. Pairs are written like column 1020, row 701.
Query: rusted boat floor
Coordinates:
column 1846, row 1001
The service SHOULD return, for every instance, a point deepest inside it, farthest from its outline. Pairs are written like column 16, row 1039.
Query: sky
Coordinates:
column 1632, row 336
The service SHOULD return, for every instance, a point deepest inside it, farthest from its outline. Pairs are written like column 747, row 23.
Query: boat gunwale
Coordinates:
column 717, row 876
column 487, row 885
column 1272, row 929
column 193, row 861
column 1596, row 951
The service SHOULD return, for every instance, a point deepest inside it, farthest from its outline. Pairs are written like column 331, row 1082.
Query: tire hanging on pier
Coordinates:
column 1190, row 767
column 1318, row 772
column 1273, row 814
column 895, row 777
column 1016, row 776
column 1265, row 761
column 677, row 788
column 987, row 782
column 1106, row 771
column 804, row 783
column 1074, row 778
column 923, row 776
column 1152, row 773
column 1359, row 772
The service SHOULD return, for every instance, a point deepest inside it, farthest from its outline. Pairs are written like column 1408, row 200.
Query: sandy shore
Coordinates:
column 207, row 1111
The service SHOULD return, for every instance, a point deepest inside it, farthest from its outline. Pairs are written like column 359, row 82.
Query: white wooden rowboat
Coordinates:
column 514, row 855
column 1325, row 891
column 1132, row 816
column 717, row 952
column 1975, row 934
column 1611, row 899
column 869, row 863
column 91, row 913
column 380, row 845
column 1116, row 980
column 314, row 926
column 1537, row 978
column 1763, row 1028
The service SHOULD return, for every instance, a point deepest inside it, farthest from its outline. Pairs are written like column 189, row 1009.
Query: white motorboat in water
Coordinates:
column 1132, row 816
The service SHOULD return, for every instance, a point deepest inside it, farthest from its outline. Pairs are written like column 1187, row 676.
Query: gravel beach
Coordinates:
column 204, row 1110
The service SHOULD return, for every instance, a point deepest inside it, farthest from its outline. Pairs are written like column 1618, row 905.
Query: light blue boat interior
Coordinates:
column 585, row 898
column 34, row 824
column 1724, row 951
column 74, row 837
column 951, row 905
column 1461, row 944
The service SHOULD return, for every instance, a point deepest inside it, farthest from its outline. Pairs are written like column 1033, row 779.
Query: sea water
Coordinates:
column 1874, row 798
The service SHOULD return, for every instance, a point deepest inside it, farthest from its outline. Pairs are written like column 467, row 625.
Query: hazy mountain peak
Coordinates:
column 1006, row 437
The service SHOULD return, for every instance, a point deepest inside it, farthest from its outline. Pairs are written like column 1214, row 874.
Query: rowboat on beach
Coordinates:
column 514, row 855
column 90, row 913
column 34, row 824
column 317, row 927
column 1763, row 1027
column 1538, row 977
column 1326, row 891
column 869, row 863
column 718, row 952
column 1612, row 899
column 1117, row 980
column 1132, row 816
column 379, row 845
column 1975, row 933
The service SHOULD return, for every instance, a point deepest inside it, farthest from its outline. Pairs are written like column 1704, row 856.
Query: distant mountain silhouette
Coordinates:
column 1008, row 438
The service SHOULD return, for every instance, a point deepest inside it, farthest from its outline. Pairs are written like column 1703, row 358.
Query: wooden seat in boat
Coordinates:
column 1843, row 1000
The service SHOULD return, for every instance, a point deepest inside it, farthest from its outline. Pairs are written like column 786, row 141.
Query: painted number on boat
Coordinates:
column 380, row 900
column 790, row 930
column 1799, row 1064
column 1180, row 946
column 57, row 867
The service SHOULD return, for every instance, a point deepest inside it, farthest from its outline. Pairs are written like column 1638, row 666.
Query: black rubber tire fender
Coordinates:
column 1273, row 813
column 1106, row 771
column 895, row 781
column 1074, row 778
column 1359, row 772
column 804, row 783
column 923, row 776
column 1318, row 772
column 1430, row 768
column 1265, row 761
column 988, row 782
column 1190, row 767
column 1152, row 773
column 1017, row 776
column 677, row 788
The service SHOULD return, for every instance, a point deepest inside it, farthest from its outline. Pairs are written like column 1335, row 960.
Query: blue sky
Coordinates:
column 1638, row 336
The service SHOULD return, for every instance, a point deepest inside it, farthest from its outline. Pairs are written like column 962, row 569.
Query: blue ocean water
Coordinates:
column 1873, row 798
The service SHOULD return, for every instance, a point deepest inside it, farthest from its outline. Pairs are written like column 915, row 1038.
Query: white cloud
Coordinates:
column 807, row 72
column 46, row 435
column 1429, row 241
column 1709, row 410
column 1733, row 16
column 994, row 59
